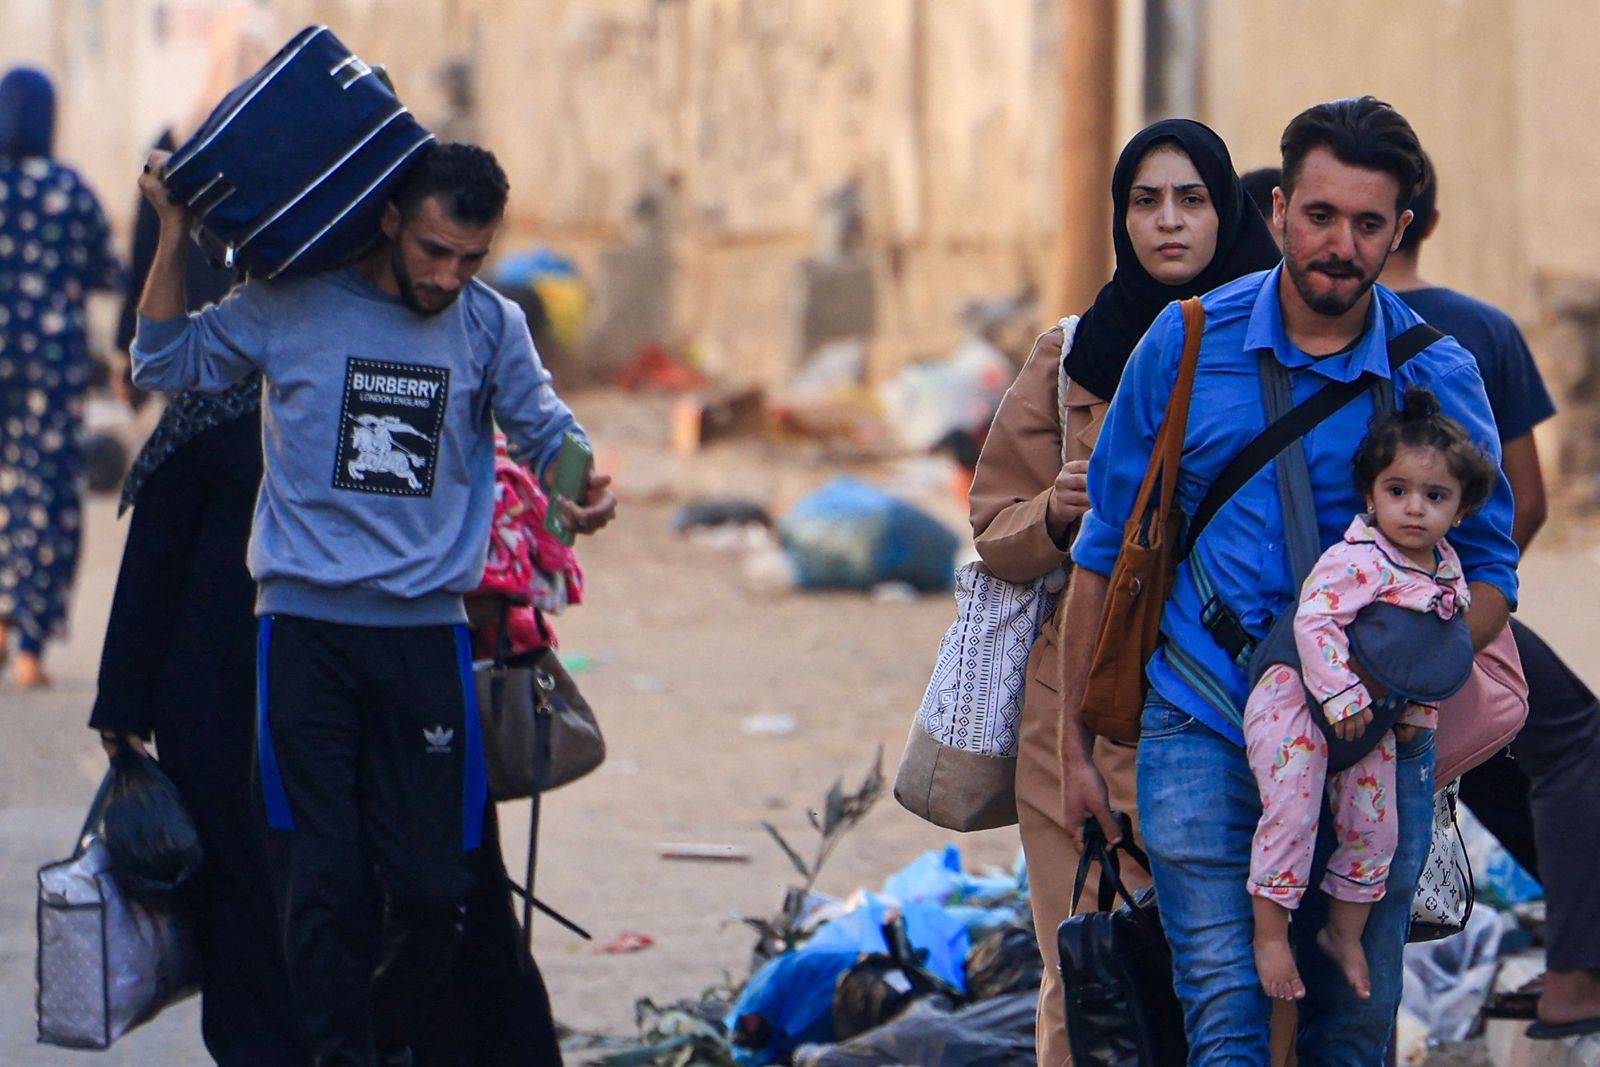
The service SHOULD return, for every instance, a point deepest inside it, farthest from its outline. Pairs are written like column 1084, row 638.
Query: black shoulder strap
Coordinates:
column 1293, row 426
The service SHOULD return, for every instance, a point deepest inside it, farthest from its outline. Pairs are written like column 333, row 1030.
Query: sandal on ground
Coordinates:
column 1519, row 1003
column 1556, row 1031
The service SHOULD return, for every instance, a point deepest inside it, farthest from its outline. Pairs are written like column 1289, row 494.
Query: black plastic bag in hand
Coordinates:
column 1116, row 967
column 151, row 839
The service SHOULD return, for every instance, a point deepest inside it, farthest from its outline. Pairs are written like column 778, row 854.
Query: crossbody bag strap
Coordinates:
column 1296, row 424
column 1161, row 477
column 1300, row 536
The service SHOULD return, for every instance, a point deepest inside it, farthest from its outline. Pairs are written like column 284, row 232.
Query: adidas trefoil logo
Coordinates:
column 439, row 738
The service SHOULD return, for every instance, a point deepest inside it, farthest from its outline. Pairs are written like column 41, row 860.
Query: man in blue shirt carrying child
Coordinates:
column 1349, row 170
column 384, row 381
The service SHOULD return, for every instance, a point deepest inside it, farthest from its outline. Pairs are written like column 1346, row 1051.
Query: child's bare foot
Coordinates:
column 1348, row 954
column 1275, row 966
column 1280, row 978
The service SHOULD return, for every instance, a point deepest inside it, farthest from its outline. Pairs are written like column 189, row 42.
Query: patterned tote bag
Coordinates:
column 960, row 762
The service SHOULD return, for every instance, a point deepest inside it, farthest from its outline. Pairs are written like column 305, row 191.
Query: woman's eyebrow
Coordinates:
column 1183, row 188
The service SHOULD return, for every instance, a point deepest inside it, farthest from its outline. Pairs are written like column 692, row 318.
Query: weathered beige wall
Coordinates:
column 743, row 114
column 1445, row 64
column 749, row 113
column 1554, row 150
column 1502, row 94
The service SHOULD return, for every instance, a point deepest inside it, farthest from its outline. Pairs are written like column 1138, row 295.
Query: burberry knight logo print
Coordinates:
column 389, row 429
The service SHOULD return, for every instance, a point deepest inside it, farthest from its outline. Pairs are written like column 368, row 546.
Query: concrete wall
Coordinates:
column 1447, row 65
column 739, row 115
column 1501, row 93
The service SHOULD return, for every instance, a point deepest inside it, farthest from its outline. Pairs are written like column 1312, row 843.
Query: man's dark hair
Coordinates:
column 1258, row 185
column 1424, row 206
column 1360, row 132
column 467, row 180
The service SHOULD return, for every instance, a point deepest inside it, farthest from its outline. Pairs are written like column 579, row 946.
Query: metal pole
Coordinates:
column 1089, row 48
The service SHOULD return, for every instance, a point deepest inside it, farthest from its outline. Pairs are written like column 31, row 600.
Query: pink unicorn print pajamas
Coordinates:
column 1286, row 748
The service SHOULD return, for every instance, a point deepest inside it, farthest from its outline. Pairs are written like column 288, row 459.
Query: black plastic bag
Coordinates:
column 872, row 992
column 1116, row 968
column 1007, row 960
column 990, row 1033
column 880, row 986
column 154, row 847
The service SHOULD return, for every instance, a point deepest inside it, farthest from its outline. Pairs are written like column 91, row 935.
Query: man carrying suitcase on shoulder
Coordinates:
column 384, row 379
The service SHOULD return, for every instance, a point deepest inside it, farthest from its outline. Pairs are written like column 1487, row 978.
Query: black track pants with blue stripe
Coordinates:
column 372, row 775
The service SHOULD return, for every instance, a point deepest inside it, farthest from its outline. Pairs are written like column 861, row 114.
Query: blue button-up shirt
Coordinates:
column 1242, row 551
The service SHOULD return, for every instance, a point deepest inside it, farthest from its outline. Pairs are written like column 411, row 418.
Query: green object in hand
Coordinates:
column 567, row 476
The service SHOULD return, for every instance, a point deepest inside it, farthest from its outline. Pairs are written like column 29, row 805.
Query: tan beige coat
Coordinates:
column 1010, row 492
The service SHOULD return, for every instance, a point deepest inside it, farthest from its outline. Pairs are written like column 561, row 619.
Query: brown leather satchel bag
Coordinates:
column 1142, row 578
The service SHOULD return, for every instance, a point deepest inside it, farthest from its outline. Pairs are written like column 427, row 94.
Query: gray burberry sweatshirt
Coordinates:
column 377, row 430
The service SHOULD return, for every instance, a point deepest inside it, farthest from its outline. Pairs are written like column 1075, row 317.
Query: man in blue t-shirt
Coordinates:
column 1558, row 812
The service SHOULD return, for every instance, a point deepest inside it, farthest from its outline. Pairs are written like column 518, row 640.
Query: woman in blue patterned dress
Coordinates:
column 53, row 249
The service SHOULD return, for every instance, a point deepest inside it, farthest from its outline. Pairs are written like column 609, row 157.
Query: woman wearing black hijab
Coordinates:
column 1181, row 225
column 1142, row 285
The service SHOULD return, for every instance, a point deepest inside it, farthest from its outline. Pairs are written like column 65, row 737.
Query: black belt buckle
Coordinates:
column 1226, row 630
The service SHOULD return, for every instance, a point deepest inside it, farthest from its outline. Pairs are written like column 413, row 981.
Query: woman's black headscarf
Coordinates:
column 1130, row 301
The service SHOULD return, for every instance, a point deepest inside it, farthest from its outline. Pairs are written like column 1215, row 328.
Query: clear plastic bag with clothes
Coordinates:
column 107, row 961
column 1447, row 981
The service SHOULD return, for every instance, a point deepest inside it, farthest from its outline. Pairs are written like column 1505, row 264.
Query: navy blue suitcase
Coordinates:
column 289, row 174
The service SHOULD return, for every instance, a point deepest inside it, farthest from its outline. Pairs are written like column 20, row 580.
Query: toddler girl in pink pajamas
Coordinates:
column 1420, row 474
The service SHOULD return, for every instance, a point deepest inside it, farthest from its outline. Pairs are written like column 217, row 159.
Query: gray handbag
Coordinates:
column 538, row 731
column 107, row 962
column 959, row 766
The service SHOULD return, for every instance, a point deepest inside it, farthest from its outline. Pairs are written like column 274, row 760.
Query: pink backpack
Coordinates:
column 1486, row 714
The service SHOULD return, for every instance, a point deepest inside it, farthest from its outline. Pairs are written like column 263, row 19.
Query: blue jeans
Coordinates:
column 1198, row 808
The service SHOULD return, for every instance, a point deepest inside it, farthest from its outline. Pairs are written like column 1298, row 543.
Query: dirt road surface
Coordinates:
column 683, row 650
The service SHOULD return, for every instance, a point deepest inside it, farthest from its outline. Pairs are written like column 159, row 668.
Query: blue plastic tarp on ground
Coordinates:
column 936, row 877
column 848, row 535
column 794, row 994
column 929, row 928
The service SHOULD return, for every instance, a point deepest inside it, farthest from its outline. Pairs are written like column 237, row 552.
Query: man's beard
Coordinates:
column 1329, row 303
column 408, row 295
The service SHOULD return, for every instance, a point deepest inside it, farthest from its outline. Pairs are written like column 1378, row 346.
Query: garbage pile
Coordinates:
column 937, row 966
column 846, row 535
column 940, row 966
